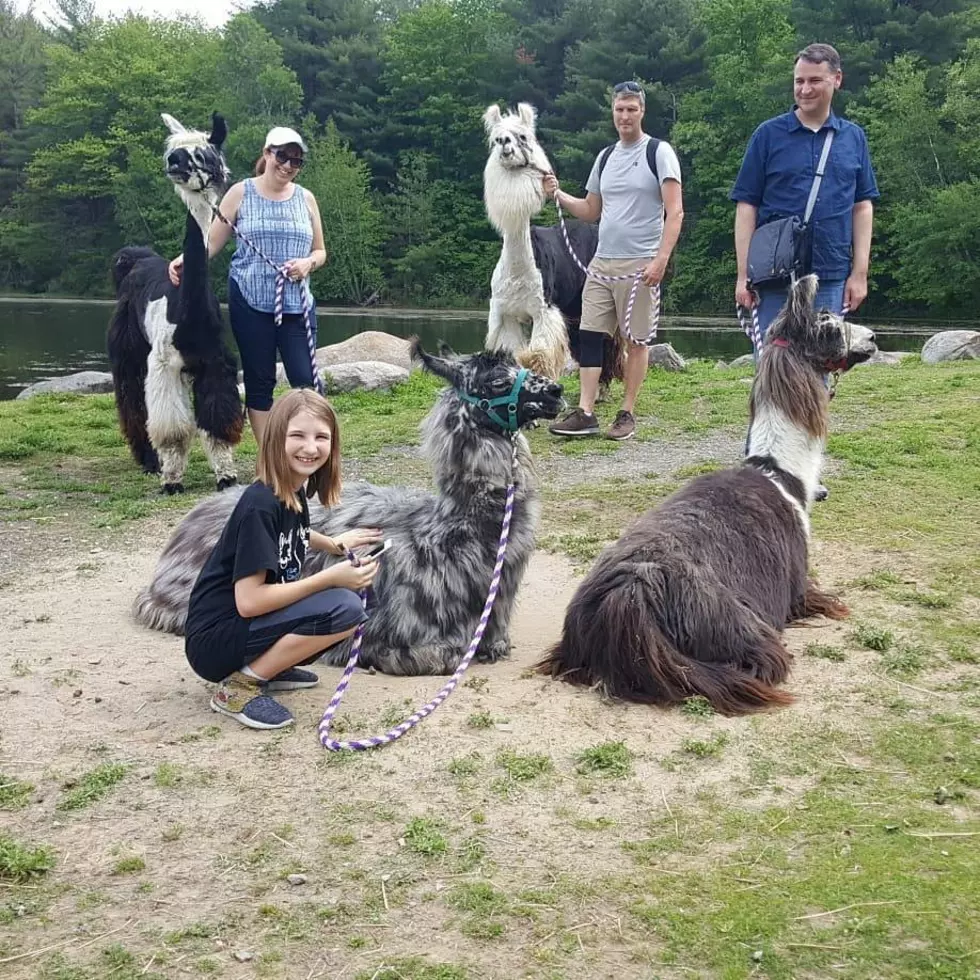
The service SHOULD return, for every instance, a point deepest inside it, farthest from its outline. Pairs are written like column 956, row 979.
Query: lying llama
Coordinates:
column 535, row 280
column 432, row 583
column 165, row 342
column 692, row 598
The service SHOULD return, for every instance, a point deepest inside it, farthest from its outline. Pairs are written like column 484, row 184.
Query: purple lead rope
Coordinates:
column 281, row 280
column 635, row 276
column 395, row 733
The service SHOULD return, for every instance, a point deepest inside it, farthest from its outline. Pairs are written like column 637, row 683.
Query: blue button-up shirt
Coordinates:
column 777, row 173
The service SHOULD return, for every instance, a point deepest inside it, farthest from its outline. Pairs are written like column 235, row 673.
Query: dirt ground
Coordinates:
column 219, row 816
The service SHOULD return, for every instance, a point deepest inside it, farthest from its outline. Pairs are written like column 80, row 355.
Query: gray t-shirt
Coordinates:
column 632, row 218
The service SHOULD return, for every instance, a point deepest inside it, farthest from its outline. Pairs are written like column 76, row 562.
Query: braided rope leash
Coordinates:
column 635, row 276
column 395, row 733
column 281, row 279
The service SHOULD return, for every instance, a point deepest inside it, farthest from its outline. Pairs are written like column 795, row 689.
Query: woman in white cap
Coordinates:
column 283, row 220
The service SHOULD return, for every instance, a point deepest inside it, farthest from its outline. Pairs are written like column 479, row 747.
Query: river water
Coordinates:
column 42, row 339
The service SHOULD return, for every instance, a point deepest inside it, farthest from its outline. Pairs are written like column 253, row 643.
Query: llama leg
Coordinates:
column 547, row 351
column 170, row 421
column 218, row 412
column 221, row 456
column 503, row 331
column 817, row 603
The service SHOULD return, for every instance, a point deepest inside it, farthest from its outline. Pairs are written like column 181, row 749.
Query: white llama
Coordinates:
column 513, row 194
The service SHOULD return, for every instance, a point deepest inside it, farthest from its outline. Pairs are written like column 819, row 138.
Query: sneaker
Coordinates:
column 821, row 493
column 240, row 698
column 293, row 679
column 623, row 427
column 575, row 423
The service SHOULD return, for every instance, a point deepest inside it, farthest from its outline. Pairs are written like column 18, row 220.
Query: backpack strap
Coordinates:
column 652, row 145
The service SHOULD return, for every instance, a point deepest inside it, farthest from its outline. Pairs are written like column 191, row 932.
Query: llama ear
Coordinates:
column 491, row 117
column 799, row 310
column 445, row 367
column 527, row 113
column 219, row 130
column 172, row 124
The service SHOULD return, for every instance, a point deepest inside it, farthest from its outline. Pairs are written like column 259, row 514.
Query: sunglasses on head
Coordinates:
column 284, row 159
column 627, row 87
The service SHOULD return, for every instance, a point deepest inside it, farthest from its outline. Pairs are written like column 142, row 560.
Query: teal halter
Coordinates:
column 488, row 405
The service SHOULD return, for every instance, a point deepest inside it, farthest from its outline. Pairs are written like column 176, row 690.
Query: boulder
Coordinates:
column 887, row 357
column 362, row 376
column 664, row 356
column 746, row 360
column 952, row 345
column 82, row 383
column 372, row 345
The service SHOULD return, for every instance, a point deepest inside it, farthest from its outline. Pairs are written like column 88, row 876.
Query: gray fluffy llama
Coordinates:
column 432, row 583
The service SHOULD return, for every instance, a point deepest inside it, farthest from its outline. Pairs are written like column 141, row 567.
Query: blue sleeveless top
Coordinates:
column 284, row 231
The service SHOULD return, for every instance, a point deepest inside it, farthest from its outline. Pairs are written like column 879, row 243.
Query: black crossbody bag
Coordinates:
column 778, row 251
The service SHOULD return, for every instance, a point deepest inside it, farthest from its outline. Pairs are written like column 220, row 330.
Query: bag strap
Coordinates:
column 818, row 176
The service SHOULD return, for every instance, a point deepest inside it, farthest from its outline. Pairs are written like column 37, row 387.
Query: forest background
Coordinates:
column 389, row 93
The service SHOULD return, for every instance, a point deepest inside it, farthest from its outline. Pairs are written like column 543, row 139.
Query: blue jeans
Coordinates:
column 830, row 295
column 258, row 337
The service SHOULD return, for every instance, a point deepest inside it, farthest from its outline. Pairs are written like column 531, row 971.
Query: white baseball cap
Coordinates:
column 283, row 136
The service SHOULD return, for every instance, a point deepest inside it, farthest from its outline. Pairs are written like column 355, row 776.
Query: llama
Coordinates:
column 692, row 599
column 535, row 278
column 165, row 342
column 432, row 583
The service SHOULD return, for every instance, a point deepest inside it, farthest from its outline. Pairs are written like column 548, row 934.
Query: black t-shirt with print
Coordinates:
column 262, row 534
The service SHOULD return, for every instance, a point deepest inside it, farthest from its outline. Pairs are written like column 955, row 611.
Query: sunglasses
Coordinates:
column 285, row 160
column 627, row 87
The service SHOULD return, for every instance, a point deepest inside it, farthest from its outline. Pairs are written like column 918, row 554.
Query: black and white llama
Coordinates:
column 432, row 583
column 535, row 281
column 692, row 599
column 172, row 371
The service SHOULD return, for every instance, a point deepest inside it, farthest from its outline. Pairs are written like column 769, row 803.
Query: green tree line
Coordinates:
column 390, row 95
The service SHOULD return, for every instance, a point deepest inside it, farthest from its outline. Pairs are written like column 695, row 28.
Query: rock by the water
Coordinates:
column 82, row 383
column 746, row 360
column 664, row 356
column 887, row 357
column 362, row 376
column 372, row 345
column 952, row 345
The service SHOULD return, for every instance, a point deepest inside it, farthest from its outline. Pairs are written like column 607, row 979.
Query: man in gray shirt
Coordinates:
column 641, row 220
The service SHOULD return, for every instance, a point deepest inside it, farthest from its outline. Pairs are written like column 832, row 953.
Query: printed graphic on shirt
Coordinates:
column 292, row 550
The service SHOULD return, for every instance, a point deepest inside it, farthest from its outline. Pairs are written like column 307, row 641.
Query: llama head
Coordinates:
column 194, row 161
column 512, row 178
column 484, row 388
column 823, row 338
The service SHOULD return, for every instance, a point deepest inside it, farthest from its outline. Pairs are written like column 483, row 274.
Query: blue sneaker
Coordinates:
column 292, row 679
column 240, row 697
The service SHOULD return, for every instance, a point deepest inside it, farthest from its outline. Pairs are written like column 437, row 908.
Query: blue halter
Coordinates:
column 488, row 405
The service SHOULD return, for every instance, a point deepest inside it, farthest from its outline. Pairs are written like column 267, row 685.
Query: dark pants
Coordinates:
column 258, row 337
column 321, row 614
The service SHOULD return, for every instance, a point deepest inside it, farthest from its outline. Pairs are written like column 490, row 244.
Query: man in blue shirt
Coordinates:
column 775, row 179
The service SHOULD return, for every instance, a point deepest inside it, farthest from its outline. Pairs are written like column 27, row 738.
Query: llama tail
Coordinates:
column 618, row 645
column 156, row 611
column 124, row 260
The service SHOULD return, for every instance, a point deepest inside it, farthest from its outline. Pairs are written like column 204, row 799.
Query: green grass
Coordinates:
column 20, row 863
column 524, row 768
column 609, row 759
column 825, row 651
column 426, row 837
column 872, row 637
column 14, row 793
column 92, row 786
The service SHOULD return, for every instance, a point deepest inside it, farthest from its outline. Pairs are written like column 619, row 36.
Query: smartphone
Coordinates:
column 379, row 549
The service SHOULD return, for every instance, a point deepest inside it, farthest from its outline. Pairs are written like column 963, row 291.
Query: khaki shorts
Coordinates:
column 604, row 303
